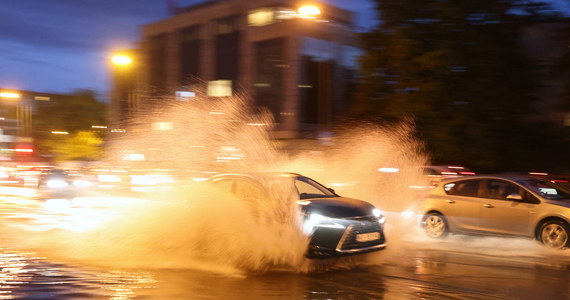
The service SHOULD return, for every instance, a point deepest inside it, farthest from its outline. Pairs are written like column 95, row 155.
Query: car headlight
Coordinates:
column 315, row 220
column 56, row 183
column 378, row 214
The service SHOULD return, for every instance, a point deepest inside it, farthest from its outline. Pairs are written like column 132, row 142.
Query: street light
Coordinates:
column 309, row 10
column 10, row 95
column 121, row 60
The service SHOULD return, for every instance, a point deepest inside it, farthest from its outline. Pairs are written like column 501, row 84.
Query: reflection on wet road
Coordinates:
column 411, row 268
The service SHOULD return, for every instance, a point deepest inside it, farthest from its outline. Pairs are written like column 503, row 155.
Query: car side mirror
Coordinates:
column 514, row 197
column 331, row 190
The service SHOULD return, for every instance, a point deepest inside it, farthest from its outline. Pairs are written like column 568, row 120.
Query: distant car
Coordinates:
column 336, row 225
column 436, row 173
column 511, row 205
column 562, row 180
column 59, row 183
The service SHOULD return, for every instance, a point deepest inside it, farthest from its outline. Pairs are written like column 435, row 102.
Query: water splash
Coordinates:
column 195, row 226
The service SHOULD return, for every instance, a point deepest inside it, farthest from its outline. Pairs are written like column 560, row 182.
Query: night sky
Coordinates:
column 61, row 45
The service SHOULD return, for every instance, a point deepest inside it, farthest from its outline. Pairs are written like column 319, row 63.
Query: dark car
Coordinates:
column 512, row 205
column 336, row 225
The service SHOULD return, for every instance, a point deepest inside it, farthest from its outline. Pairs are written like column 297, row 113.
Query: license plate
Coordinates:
column 366, row 237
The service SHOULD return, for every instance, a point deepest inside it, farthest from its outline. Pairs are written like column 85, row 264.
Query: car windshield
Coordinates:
column 546, row 189
column 309, row 188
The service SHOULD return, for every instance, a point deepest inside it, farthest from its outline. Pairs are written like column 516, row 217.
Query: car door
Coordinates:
column 501, row 215
column 461, row 204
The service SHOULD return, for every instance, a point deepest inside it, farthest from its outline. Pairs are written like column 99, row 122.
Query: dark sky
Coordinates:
column 61, row 45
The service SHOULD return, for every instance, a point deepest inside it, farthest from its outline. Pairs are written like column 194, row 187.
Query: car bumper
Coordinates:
column 335, row 242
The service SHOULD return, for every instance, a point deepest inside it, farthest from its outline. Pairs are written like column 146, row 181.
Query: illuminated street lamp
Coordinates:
column 121, row 60
column 10, row 95
column 309, row 10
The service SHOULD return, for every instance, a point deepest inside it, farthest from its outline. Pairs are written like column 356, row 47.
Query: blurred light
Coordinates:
column 389, row 170
column 24, row 150
column 10, row 95
column 407, row 214
column 60, row 132
column 256, row 124
column 56, row 183
column 133, row 157
column 309, row 10
column 455, row 167
column 108, row 178
column 184, row 95
column 42, row 98
column 99, row 126
column 261, row 17
column 448, row 173
column 121, row 60
column 162, row 126
column 82, row 183
column 220, row 88
column 538, row 173
column 376, row 212
column 200, row 179
column 467, row 173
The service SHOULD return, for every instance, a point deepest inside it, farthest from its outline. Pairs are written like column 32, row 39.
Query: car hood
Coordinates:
column 338, row 207
column 563, row 203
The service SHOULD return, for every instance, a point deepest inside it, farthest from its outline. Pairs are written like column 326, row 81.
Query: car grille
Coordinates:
column 349, row 241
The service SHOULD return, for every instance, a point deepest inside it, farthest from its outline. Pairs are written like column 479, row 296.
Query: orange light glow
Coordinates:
column 309, row 10
column 10, row 95
column 121, row 60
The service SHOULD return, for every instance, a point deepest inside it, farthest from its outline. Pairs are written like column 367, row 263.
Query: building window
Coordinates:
column 190, row 47
column 157, row 62
column 326, row 72
column 269, row 75
column 261, row 17
column 227, row 48
column 220, row 88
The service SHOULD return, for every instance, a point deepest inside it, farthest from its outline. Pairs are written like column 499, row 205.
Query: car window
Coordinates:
column 467, row 188
column 308, row 189
column 500, row 189
column 247, row 190
column 546, row 189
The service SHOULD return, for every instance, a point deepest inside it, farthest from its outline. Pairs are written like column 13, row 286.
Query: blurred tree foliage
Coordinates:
column 460, row 70
column 74, row 113
column 83, row 145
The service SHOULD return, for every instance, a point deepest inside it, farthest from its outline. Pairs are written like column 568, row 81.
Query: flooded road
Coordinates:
column 412, row 267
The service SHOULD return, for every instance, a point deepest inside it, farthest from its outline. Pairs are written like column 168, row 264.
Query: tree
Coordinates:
column 83, row 145
column 72, row 113
column 459, row 69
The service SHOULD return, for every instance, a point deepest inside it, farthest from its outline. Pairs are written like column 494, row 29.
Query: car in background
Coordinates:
column 337, row 226
column 63, row 183
column 435, row 173
column 562, row 180
column 509, row 205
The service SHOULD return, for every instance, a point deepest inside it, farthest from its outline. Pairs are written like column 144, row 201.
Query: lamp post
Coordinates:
column 124, row 100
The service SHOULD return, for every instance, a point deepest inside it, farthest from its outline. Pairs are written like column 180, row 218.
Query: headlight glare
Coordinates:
column 56, row 183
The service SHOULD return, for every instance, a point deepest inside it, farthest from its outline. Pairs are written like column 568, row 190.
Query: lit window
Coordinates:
column 162, row 126
column 261, row 17
column 220, row 88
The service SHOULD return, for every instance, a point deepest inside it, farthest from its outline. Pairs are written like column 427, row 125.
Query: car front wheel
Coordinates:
column 554, row 234
column 435, row 225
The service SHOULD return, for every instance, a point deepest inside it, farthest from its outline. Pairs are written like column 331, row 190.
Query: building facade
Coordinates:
column 297, row 65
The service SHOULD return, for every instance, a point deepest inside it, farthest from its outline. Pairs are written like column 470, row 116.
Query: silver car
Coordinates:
column 499, row 205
